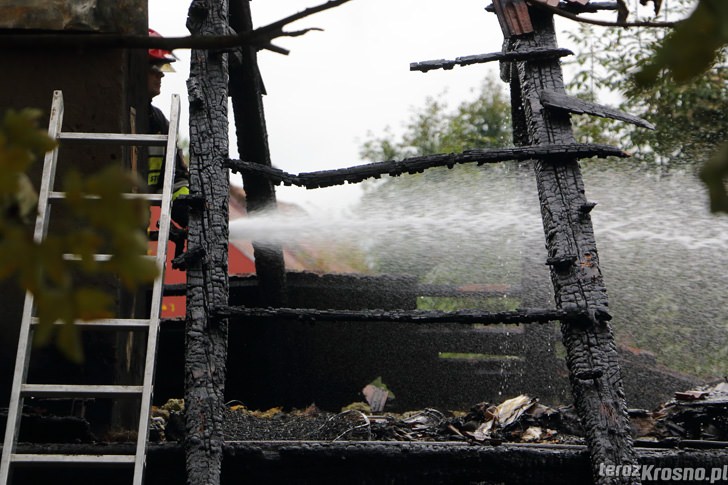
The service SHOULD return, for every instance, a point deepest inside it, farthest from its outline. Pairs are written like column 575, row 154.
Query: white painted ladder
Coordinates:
column 21, row 388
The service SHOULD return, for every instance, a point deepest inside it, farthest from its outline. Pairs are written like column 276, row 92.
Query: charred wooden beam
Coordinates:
column 399, row 316
column 591, row 350
column 420, row 290
column 355, row 174
column 425, row 66
column 553, row 99
column 577, row 8
column 246, row 89
column 308, row 463
column 207, row 279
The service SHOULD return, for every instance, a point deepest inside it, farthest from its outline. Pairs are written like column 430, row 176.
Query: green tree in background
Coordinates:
column 104, row 223
column 675, row 79
column 434, row 128
column 434, row 241
column 665, row 293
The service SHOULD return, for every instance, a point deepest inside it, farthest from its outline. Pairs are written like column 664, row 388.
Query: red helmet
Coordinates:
column 160, row 56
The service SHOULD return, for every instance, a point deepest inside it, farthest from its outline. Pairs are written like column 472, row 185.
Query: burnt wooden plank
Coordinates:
column 355, row 174
column 578, row 8
column 351, row 462
column 207, row 278
column 400, row 316
column 528, row 54
column 578, row 284
column 246, row 90
column 513, row 16
column 553, row 99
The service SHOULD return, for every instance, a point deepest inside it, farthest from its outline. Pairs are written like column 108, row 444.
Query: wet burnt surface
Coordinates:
column 317, row 462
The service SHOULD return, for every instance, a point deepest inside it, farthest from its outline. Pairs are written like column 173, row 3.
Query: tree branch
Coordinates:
column 260, row 37
column 601, row 23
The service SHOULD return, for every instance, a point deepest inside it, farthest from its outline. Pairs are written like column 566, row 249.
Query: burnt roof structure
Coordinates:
column 542, row 132
column 542, row 135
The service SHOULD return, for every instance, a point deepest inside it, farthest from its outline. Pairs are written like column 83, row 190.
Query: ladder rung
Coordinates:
column 99, row 459
column 113, row 138
column 99, row 257
column 71, row 390
column 150, row 197
column 108, row 323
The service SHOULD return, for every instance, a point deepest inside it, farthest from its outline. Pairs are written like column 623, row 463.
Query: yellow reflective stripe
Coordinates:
column 155, row 170
column 181, row 191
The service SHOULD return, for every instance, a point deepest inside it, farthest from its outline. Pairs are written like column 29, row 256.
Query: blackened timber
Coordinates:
column 421, row 290
column 568, row 230
column 591, row 7
column 529, row 54
column 337, row 462
column 355, row 174
column 399, row 316
column 246, row 89
column 207, row 278
column 553, row 99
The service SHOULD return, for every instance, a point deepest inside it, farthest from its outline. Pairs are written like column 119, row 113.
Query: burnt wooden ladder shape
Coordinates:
column 143, row 392
column 542, row 134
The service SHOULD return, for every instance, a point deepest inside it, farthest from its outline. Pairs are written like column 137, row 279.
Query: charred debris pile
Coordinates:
column 693, row 419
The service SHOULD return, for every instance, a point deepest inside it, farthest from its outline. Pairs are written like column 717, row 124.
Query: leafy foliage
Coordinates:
column 482, row 122
column 693, row 47
column 434, row 241
column 680, row 87
column 103, row 221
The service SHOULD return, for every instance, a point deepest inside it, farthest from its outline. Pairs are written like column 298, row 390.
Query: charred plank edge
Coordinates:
column 355, row 174
column 399, row 316
column 179, row 289
column 524, row 55
column 562, row 263
column 251, row 132
column 552, row 99
column 588, row 207
column 591, row 7
column 699, row 450
column 599, row 402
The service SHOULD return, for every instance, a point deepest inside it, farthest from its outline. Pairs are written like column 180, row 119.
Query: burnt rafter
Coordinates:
column 577, row 8
column 355, row 174
column 399, row 316
column 523, row 55
column 552, row 99
column 572, row 254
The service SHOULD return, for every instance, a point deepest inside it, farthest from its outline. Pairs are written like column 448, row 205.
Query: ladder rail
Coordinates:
column 144, row 391
column 157, row 293
column 22, row 359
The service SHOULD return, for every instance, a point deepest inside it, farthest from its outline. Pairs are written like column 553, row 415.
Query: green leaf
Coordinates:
column 715, row 174
column 692, row 47
column 92, row 303
column 69, row 342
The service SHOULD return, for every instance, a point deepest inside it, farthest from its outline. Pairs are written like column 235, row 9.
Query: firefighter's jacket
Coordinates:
column 158, row 124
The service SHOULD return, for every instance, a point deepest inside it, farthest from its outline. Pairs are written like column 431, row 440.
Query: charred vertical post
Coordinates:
column 572, row 254
column 246, row 89
column 207, row 274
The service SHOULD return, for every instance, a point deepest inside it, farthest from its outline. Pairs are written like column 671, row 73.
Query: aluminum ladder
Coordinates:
column 21, row 388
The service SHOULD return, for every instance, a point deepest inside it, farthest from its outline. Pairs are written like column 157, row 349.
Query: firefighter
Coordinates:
column 160, row 62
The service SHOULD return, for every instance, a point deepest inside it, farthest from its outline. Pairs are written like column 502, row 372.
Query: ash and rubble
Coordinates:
column 693, row 418
column 698, row 415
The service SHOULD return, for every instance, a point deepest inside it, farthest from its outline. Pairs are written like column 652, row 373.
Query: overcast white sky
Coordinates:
column 350, row 79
